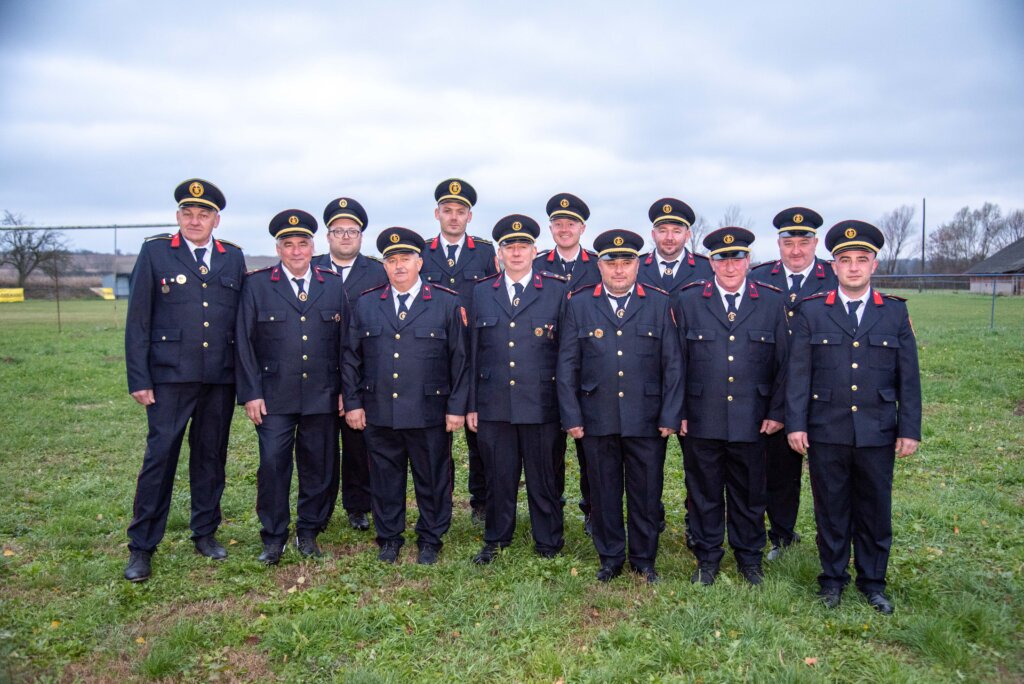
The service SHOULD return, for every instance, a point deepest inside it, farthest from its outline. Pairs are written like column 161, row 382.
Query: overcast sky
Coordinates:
column 851, row 110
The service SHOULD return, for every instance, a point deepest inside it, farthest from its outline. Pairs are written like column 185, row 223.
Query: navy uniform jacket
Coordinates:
column 691, row 268
column 584, row 272
column 734, row 373
column 821, row 279
column 181, row 324
column 860, row 389
column 514, row 351
column 476, row 260
column 407, row 374
column 289, row 351
column 619, row 376
column 364, row 274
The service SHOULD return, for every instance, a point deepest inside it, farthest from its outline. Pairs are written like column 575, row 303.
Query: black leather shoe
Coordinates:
column 389, row 552
column 752, row 573
column 479, row 516
column 648, row 573
column 359, row 521
column 138, row 569
column 428, row 554
column 209, row 546
column 830, row 597
column 688, row 538
column 705, row 574
column 588, row 528
column 271, row 554
column 487, row 554
column 879, row 602
column 307, row 547
column 548, row 553
column 607, row 572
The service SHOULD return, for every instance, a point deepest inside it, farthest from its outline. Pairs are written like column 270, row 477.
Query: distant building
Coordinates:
column 1007, row 267
column 119, row 286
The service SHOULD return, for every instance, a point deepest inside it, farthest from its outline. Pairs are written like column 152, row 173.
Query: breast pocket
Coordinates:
column 270, row 325
column 544, row 330
column 431, row 342
column 700, row 344
column 882, row 351
column 370, row 336
column 762, row 345
column 165, row 347
column 591, row 342
column 431, row 276
column 648, row 340
column 825, row 349
column 473, row 275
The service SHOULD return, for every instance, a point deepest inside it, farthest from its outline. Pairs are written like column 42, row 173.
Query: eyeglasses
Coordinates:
column 348, row 233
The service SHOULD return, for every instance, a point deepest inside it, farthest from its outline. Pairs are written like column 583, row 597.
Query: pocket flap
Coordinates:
column 489, row 322
column 268, row 315
column 648, row 331
column 884, row 341
column 167, row 335
column 436, row 390
column 766, row 336
column 589, row 386
column 373, row 331
column 229, row 282
column 821, row 394
column 764, row 390
column 270, row 367
column 887, row 394
column 698, row 334
column 485, row 373
column 826, row 337
column 428, row 333
column 328, row 316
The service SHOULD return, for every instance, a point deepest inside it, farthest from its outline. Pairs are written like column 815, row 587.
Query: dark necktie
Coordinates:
column 340, row 271
column 567, row 267
column 200, row 253
column 403, row 310
column 730, row 310
column 451, row 254
column 852, row 308
column 797, row 280
column 302, row 288
column 670, row 269
column 620, row 304
column 518, row 290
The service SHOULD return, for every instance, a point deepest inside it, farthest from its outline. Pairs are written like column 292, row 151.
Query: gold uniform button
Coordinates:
column 621, row 394
column 396, row 355
column 853, row 365
column 512, row 383
column 824, row 341
column 729, row 398
column 619, row 352
column 394, row 375
column 885, row 343
column 619, row 333
column 453, row 280
column 511, row 344
column 512, row 324
column 815, row 396
column 304, row 376
column 730, row 358
column 732, row 338
column 163, row 338
column 394, row 395
column 206, row 324
column 206, row 304
column 790, row 314
column 271, row 318
column 854, row 388
column 206, row 344
column 853, row 408
column 305, row 358
column 302, row 318
column 304, row 338
column 398, row 336
column 731, row 379
column 621, row 374
column 511, row 364
column 204, row 285
column 856, row 343
column 700, row 337
column 650, row 334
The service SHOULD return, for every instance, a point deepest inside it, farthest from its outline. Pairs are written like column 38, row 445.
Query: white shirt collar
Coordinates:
column 805, row 273
column 524, row 281
column 722, row 293
column 413, row 293
column 193, row 247
column 579, row 250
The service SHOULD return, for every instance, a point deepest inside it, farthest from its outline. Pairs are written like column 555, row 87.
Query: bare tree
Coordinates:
column 27, row 249
column 1013, row 228
column 895, row 227
column 954, row 246
column 989, row 220
column 697, row 232
column 733, row 216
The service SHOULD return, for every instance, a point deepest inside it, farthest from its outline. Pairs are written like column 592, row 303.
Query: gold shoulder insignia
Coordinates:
column 655, row 288
column 584, row 288
column 893, row 297
column 372, row 289
column 444, row 289
column 258, row 270
column 553, row 276
column 228, row 242
column 490, row 277
column 486, row 242
column 768, row 286
column 695, row 283
column 161, row 236
column 326, row 271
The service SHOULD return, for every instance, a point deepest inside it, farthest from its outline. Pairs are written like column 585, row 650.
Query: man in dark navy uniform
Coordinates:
column 853, row 405
column 567, row 217
column 405, row 385
column 734, row 340
column 346, row 221
column 620, row 391
column 179, row 351
column 458, row 261
column 670, row 265
column 290, row 325
column 797, row 274
column 513, row 405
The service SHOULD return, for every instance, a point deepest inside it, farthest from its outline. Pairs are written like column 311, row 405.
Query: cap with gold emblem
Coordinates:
column 847, row 235
column 728, row 243
column 292, row 223
column 618, row 244
column 199, row 193
column 798, row 222
column 671, row 210
column 398, row 240
column 564, row 205
column 455, row 190
column 345, row 207
column 515, row 228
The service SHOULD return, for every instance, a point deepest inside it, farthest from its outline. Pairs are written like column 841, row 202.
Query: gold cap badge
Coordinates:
column 850, row 233
column 798, row 218
column 618, row 241
column 343, row 203
column 517, row 226
column 667, row 208
column 394, row 238
column 196, row 189
column 564, row 203
column 455, row 187
column 728, row 239
column 293, row 220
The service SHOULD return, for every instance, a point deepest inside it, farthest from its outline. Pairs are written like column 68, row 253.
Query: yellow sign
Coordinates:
column 12, row 294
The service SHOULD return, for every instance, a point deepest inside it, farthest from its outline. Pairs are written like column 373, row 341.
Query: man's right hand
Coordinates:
column 144, row 397
column 256, row 409
column 798, row 442
column 356, row 419
column 576, row 432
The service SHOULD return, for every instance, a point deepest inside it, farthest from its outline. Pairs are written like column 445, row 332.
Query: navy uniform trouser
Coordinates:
column 354, row 472
column 636, row 465
column 427, row 452
column 507, row 451
column 206, row 410
column 581, row 458
column 725, row 483
column 477, row 472
column 314, row 441
column 852, row 488
column 785, row 468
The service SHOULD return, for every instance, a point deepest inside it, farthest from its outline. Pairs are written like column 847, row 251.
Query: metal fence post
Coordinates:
column 992, row 317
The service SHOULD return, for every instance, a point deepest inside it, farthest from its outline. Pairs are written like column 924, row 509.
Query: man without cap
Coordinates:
column 853, row 404
column 346, row 221
column 734, row 340
column 404, row 380
column 620, row 391
column 798, row 274
column 290, row 326
column 567, row 220
column 179, row 352
column 513, row 406
column 458, row 261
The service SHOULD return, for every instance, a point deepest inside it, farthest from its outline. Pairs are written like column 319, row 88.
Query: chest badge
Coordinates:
column 402, row 315
column 599, row 333
column 181, row 279
column 732, row 316
column 203, row 269
column 303, row 296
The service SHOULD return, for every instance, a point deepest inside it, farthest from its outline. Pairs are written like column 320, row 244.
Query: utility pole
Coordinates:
column 920, row 285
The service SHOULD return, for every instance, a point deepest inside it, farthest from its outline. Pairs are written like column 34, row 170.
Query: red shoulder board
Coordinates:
column 275, row 274
column 470, row 243
column 538, row 282
column 176, row 241
column 878, row 298
column 768, row 286
column 584, row 257
column 777, row 267
column 689, row 258
column 433, row 243
column 649, row 260
column 709, row 288
column 893, row 297
column 551, row 256
column 385, row 293
column 220, row 247
column 752, row 289
column 830, row 298
column 599, row 289
column 819, row 271
column 640, row 290
column 426, row 293
column 319, row 277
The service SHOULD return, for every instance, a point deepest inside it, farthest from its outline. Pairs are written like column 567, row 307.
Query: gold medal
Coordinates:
column 451, row 262
column 599, row 333
column 303, row 296
column 732, row 316
column 180, row 279
column 165, row 289
column 622, row 312
column 203, row 269
column 539, row 332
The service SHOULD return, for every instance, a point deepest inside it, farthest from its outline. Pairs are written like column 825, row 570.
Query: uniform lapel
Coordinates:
column 417, row 306
column 283, row 287
column 748, row 302
column 501, row 296
column 717, row 307
column 603, row 305
column 872, row 312
column 840, row 316
column 218, row 256
column 184, row 255
column 530, row 294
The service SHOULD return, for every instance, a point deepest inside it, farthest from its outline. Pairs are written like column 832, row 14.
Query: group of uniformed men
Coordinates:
column 751, row 369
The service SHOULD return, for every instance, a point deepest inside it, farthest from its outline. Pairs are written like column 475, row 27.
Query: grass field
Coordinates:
column 71, row 443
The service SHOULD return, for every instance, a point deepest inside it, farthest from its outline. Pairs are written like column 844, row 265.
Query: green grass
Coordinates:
column 71, row 443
